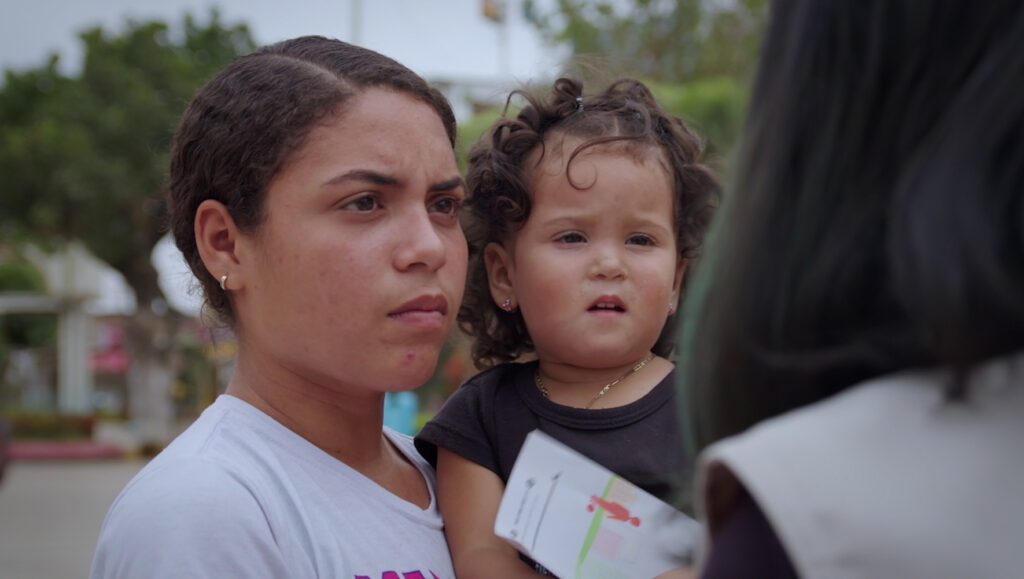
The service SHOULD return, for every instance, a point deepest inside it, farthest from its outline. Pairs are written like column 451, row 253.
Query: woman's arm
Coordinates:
column 469, row 496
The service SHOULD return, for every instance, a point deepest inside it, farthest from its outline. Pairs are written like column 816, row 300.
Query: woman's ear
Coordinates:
column 500, row 276
column 216, row 239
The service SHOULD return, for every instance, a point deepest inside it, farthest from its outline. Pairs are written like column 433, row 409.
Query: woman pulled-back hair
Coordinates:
column 314, row 193
column 869, row 271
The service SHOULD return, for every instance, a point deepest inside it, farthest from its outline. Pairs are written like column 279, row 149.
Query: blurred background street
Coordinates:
column 51, row 512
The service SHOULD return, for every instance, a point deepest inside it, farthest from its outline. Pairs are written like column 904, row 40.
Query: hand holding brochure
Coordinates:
column 580, row 520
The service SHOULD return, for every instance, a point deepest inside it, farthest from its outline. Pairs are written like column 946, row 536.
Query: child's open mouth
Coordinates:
column 608, row 304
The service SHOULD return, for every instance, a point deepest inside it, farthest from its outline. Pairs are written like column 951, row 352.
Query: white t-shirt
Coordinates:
column 240, row 495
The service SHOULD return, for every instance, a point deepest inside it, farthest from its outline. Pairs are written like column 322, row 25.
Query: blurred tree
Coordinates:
column 663, row 40
column 22, row 330
column 714, row 107
column 84, row 157
column 471, row 130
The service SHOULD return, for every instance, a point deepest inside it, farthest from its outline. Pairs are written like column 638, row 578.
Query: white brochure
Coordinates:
column 581, row 521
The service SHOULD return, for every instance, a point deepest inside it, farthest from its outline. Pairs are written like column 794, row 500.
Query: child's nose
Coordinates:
column 607, row 264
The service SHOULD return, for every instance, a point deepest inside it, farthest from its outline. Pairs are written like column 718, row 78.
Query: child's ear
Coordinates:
column 677, row 283
column 217, row 242
column 500, row 276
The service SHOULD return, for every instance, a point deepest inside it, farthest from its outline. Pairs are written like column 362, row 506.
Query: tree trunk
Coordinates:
column 151, row 342
column 154, row 368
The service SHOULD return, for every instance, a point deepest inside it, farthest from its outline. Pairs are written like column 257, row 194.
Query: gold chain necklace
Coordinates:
column 607, row 387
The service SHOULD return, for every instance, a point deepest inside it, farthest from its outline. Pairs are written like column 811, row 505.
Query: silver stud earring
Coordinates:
column 671, row 309
column 507, row 305
column 224, row 282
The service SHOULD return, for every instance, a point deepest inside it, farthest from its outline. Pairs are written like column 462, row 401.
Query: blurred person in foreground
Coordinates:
column 856, row 343
column 314, row 193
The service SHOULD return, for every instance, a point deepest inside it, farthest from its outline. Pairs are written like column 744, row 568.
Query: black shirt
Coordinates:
column 486, row 421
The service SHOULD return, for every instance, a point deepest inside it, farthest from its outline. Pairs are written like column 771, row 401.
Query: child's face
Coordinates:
column 593, row 270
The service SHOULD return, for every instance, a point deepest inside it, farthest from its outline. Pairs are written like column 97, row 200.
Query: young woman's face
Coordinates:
column 594, row 270
column 355, row 276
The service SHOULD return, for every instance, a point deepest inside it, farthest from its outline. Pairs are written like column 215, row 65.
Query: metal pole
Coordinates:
column 356, row 26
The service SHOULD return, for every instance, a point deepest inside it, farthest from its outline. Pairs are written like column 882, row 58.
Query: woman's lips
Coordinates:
column 426, row 311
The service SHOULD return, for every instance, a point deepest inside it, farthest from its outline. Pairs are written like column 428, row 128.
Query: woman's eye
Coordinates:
column 446, row 206
column 571, row 237
column 364, row 204
column 643, row 240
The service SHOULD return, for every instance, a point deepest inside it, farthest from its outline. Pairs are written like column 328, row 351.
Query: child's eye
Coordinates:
column 446, row 205
column 363, row 204
column 641, row 239
column 571, row 237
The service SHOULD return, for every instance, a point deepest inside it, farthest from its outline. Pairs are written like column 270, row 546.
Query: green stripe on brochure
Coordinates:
column 595, row 526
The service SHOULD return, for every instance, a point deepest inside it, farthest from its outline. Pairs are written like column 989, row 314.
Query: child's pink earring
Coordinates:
column 671, row 309
column 507, row 305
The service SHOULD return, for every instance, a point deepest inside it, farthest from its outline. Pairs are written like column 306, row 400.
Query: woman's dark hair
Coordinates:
column 499, row 182
column 877, row 222
column 242, row 127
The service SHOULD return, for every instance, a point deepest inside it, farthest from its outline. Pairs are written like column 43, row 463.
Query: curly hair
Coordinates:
column 247, row 121
column 498, row 179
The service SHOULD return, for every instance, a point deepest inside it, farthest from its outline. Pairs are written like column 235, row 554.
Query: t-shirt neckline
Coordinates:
column 589, row 419
column 321, row 459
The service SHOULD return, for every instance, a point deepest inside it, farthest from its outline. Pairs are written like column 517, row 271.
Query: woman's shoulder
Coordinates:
column 897, row 407
column 856, row 466
column 174, row 509
column 183, row 484
column 224, row 457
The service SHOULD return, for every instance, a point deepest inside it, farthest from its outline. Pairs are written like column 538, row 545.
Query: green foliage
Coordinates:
column 714, row 107
column 23, row 330
column 665, row 40
column 19, row 275
column 470, row 132
column 84, row 157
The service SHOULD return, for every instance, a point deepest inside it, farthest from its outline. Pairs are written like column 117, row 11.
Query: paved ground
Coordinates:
column 50, row 515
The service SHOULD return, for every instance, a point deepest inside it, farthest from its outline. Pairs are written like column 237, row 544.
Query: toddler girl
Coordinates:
column 584, row 213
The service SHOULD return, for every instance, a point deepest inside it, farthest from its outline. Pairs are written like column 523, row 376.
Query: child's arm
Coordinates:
column 469, row 496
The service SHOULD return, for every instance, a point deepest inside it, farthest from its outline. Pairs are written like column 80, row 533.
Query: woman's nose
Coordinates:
column 420, row 243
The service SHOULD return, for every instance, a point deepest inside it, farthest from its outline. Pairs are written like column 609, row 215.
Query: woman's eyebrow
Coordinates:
column 362, row 175
column 376, row 178
column 449, row 185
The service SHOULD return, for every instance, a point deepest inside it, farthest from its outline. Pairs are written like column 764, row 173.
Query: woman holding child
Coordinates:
column 315, row 195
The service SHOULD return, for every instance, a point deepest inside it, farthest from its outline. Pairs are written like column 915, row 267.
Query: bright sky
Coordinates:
column 436, row 38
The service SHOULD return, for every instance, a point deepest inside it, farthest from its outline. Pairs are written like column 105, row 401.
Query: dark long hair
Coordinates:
column 877, row 222
column 624, row 115
column 245, row 123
